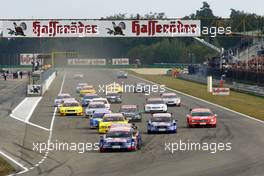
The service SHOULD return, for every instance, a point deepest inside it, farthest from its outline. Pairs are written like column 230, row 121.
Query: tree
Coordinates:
column 205, row 12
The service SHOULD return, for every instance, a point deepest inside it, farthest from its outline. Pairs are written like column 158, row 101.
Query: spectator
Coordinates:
column 5, row 75
column 21, row 74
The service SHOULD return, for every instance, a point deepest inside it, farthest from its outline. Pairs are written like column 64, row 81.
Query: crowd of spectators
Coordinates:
column 255, row 64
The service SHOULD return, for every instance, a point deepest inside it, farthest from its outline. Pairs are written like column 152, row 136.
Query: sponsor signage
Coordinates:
column 221, row 91
column 101, row 28
column 210, row 84
column 27, row 58
column 120, row 61
column 34, row 90
column 86, row 61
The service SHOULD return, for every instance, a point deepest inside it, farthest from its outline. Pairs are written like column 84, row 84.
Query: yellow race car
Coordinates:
column 110, row 119
column 114, row 88
column 87, row 90
column 71, row 107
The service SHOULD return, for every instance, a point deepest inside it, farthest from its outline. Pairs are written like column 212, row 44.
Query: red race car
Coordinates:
column 201, row 117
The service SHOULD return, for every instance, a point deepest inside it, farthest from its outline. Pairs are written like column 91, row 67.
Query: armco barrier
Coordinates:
column 42, row 85
column 245, row 88
column 252, row 89
column 47, row 82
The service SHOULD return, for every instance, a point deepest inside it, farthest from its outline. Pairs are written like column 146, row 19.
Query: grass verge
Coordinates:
column 244, row 103
column 5, row 167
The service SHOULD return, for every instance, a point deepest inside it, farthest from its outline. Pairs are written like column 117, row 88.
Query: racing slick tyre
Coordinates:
column 138, row 146
column 188, row 125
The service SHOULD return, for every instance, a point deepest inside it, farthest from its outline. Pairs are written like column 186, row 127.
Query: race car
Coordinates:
column 87, row 90
column 201, row 117
column 121, row 74
column 110, row 119
column 104, row 100
column 131, row 113
column 97, row 117
column 114, row 97
column 115, row 87
column 71, row 107
column 161, row 122
column 79, row 87
column 121, row 137
column 141, row 88
column 59, row 99
column 155, row 105
column 94, row 107
column 171, row 99
column 78, row 75
column 87, row 98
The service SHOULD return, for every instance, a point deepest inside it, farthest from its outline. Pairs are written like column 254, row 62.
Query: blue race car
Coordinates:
column 121, row 137
column 87, row 98
column 97, row 117
column 161, row 123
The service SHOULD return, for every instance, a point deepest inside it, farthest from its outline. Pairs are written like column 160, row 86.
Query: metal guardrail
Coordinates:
column 252, row 89
column 245, row 88
column 41, row 82
column 46, row 74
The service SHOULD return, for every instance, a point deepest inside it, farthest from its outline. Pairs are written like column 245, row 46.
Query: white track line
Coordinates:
column 219, row 106
column 32, row 109
column 50, row 133
column 29, row 123
column 14, row 161
column 18, row 106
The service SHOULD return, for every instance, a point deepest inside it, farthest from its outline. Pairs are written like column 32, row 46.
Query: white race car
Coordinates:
column 59, row 99
column 155, row 105
column 94, row 107
column 171, row 99
column 104, row 100
column 78, row 75
column 79, row 86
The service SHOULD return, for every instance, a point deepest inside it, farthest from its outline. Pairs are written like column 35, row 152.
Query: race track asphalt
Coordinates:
column 246, row 158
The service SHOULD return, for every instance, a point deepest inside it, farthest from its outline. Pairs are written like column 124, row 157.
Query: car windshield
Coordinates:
column 118, row 134
column 201, row 114
column 71, row 104
column 104, row 101
column 112, row 94
column 161, row 119
column 63, row 96
column 169, row 96
column 113, row 119
column 90, row 97
column 155, row 102
column 87, row 88
column 128, row 110
column 98, row 115
column 96, row 106
column 141, row 85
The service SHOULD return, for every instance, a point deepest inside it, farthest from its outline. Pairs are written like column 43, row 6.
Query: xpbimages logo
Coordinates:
column 147, row 89
column 186, row 146
column 79, row 147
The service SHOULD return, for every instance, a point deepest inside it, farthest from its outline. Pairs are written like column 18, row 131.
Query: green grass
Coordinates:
column 247, row 104
column 5, row 167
